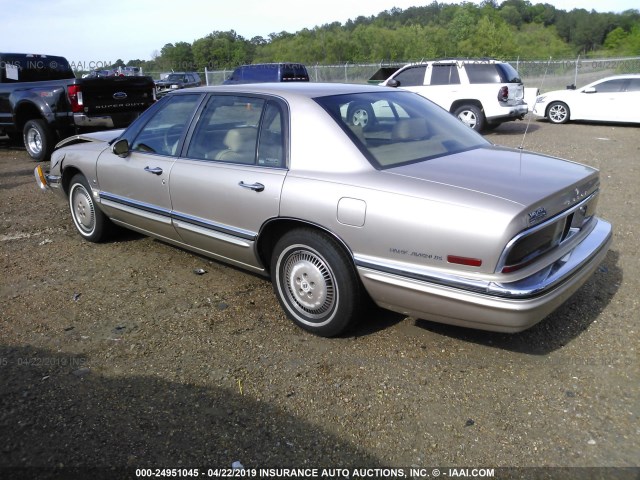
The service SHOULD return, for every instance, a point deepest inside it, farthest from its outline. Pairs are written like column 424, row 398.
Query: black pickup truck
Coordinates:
column 42, row 101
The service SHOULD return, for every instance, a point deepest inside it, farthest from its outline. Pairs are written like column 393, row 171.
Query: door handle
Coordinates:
column 154, row 170
column 256, row 187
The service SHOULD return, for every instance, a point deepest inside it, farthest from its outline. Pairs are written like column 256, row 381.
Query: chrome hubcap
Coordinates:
column 309, row 283
column 557, row 113
column 34, row 141
column 468, row 118
column 82, row 209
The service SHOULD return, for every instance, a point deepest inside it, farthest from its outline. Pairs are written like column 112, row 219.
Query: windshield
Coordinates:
column 175, row 77
column 398, row 128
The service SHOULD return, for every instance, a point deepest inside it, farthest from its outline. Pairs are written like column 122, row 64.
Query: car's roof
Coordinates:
column 623, row 75
column 285, row 89
column 489, row 61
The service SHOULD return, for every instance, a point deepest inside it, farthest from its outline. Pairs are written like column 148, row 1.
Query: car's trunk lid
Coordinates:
column 526, row 179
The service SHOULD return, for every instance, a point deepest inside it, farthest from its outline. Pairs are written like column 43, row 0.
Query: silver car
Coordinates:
column 416, row 212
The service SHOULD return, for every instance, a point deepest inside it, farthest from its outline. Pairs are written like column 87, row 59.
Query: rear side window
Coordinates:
column 412, row 76
column 445, row 75
column 231, row 127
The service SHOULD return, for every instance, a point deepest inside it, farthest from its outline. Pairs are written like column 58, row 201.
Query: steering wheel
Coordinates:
column 172, row 137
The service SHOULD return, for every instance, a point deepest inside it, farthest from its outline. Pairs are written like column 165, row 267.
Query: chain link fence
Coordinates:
column 544, row 75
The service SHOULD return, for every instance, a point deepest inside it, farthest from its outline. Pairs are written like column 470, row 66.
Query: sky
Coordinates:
column 92, row 33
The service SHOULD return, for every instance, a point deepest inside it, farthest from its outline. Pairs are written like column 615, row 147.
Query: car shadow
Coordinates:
column 513, row 128
column 7, row 144
column 557, row 330
column 61, row 414
column 592, row 123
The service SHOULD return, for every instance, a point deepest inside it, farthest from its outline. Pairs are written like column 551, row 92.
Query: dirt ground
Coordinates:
column 119, row 355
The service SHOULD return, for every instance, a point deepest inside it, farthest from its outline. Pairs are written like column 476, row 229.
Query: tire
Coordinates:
column 472, row 116
column 38, row 139
column 360, row 115
column 92, row 224
column 558, row 112
column 316, row 283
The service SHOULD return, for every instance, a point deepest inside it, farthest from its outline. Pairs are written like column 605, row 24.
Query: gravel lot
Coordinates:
column 119, row 355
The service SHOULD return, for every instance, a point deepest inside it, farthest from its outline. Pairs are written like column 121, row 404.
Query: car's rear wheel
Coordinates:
column 316, row 282
column 38, row 139
column 89, row 220
column 472, row 116
column 360, row 115
column 558, row 112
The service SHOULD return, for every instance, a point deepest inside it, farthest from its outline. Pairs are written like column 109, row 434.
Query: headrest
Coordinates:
column 410, row 129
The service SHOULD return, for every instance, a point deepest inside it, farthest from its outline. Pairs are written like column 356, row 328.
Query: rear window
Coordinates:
column 400, row 127
column 33, row 68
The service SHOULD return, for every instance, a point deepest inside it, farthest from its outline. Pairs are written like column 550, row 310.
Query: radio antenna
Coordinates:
column 521, row 147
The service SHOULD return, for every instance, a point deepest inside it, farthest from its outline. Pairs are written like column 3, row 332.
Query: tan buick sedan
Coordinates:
column 415, row 211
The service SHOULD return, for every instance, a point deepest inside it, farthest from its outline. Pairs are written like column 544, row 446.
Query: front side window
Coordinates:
column 239, row 129
column 401, row 128
column 611, row 86
column 412, row 76
column 634, row 85
column 162, row 133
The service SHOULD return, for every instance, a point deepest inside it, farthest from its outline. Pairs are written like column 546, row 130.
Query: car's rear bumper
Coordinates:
column 506, row 113
column 507, row 307
column 106, row 121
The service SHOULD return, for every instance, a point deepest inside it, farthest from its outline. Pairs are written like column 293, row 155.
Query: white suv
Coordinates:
column 481, row 93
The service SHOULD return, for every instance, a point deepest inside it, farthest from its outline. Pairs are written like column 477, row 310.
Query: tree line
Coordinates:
column 513, row 28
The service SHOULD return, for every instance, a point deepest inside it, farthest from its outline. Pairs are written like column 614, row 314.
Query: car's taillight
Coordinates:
column 75, row 98
column 471, row 262
column 503, row 94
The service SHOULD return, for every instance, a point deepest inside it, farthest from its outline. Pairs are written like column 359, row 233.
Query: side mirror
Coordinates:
column 121, row 148
column 590, row 90
column 393, row 83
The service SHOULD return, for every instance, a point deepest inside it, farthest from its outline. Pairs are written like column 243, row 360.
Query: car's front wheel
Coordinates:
column 472, row 116
column 89, row 220
column 558, row 112
column 38, row 139
column 316, row 282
